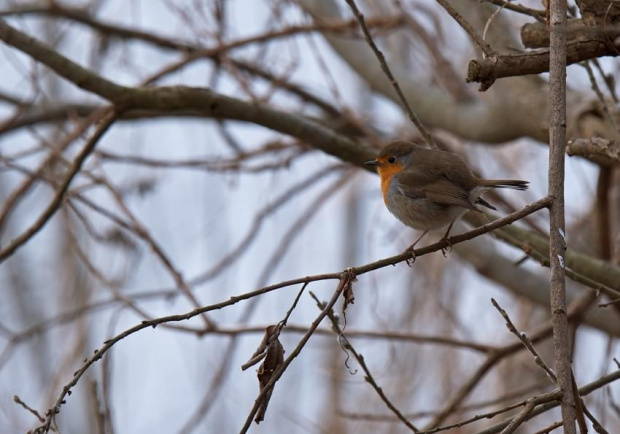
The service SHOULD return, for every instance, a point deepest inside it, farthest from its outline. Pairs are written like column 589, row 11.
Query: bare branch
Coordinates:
column 486, row 48
column 386, row 69
column 107, row 121
column 604, row 151
column 486, row 71
column 583, row 391
column 346, row 345
column 345, row 283
column 557, row 241
column 176, row 98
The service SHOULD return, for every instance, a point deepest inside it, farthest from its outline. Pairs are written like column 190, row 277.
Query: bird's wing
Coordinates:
column 438, row 190
column 443, row 164
column 441, row 177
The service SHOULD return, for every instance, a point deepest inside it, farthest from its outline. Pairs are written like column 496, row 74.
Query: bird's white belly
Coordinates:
column 423, row 214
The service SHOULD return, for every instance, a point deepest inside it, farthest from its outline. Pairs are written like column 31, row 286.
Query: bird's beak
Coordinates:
column 371, row 163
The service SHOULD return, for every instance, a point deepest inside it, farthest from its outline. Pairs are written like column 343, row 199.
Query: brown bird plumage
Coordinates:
column 428, row 189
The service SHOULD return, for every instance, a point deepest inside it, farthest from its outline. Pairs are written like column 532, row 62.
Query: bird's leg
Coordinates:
column 445, row 238
column 411, row 250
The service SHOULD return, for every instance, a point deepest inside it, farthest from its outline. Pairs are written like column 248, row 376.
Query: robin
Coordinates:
column 429, row 189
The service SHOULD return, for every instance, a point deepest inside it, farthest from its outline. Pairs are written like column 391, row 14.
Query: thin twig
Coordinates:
column 18, row 401
column 345, row 282
column 355, row 271
column 19, row 193
column 480, row 42
column 519, row 418
column 284, row 321
column 465, row 408
column 527, row 343
column 576, row 310
column 599, row 94
column 549, row 428
column 539, row 15
column 369, row 378
column 260, row 217
column 386, row 69
column 59, row 195
column 488, row 415
column 555, row 401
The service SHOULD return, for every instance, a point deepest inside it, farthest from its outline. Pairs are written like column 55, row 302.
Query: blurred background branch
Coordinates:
column 233, row 165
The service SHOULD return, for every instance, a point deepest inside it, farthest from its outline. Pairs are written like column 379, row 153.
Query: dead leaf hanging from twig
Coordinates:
column 272, row 351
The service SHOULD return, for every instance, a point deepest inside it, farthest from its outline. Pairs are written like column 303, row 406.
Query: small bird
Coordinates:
column 428, row 189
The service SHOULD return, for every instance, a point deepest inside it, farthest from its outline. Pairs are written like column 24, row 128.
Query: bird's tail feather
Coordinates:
column 505, row 183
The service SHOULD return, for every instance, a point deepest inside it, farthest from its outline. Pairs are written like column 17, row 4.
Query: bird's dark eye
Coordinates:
column 391, row 159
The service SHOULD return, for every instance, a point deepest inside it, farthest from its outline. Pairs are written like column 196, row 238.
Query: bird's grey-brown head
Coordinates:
column 397, row 153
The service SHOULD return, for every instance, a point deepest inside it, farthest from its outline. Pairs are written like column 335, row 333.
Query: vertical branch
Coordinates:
column 603, row 186
column 557, row 150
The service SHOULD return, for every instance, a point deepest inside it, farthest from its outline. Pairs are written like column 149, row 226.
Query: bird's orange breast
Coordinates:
column 386, row 173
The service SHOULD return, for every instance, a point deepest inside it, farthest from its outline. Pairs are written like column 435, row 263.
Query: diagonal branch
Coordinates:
column 213, row 104
column 345, row 284
column 355, row 271
column 348, row 347
column 182, row 98
column 481, row 43
column 386, row 69
column 59, row 195
column 552, row 400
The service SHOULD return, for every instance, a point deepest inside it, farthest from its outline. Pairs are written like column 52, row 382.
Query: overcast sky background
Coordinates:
column 198, row 217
